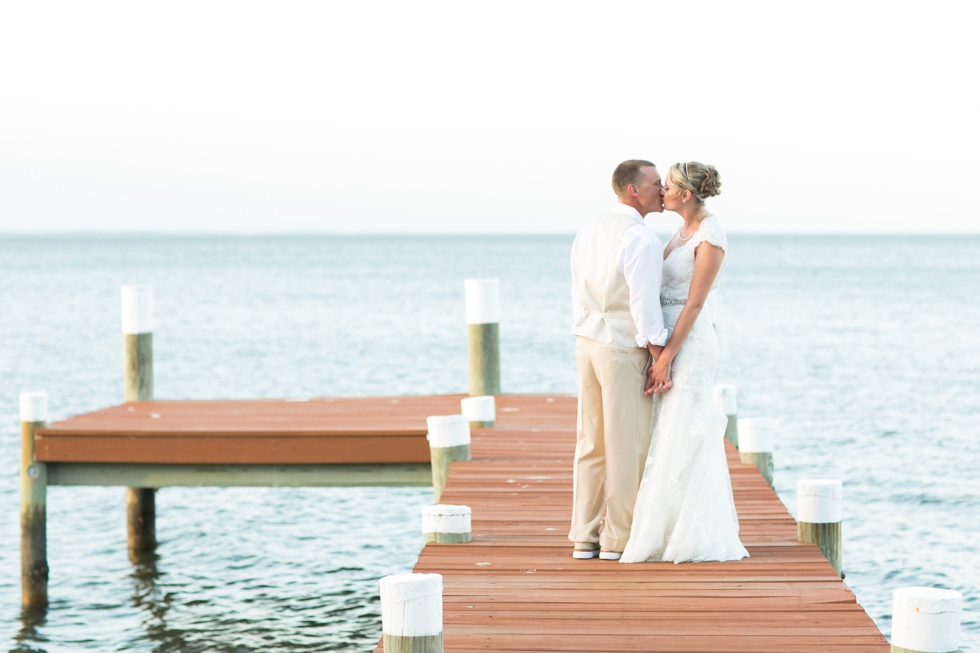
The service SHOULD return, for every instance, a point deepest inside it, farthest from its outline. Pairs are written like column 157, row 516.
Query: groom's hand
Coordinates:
column 658, row 380
column 655, row 351
column 651, row 386
column 648, row 386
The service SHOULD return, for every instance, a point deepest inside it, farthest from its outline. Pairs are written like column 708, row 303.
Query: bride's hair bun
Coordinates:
column 702, row 180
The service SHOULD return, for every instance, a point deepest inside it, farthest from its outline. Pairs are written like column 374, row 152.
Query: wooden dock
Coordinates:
column 515, row 587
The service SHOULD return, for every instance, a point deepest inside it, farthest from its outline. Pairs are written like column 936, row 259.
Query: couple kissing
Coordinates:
column 650, row 438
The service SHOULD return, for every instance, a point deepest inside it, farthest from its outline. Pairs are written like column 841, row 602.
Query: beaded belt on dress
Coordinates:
column 669, row 301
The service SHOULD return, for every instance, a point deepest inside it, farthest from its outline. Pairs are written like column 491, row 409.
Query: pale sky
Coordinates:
column 465, row 117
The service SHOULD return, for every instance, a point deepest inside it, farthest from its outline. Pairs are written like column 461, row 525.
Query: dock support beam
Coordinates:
column 483, row 320
column 819, row 509
column 755, row 444
column 726, row 397
column 33, row 504
column 137, row 328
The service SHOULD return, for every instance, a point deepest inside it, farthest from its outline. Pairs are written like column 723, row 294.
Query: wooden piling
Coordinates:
column 141, row 531
column 137, row 367
column 449, row 441
column 33, row 504
column 411, row 613
column 483, row 318
column 726, row 397
column 755, row 444
column 819, row 516
column 137, row 328
column 444, row 524
column 481, row 411
column 925, row 620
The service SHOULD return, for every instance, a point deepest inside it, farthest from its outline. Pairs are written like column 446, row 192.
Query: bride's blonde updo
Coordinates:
column 702, row 180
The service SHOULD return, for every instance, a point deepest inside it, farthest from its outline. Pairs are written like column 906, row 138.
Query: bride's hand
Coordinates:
column 659, row 380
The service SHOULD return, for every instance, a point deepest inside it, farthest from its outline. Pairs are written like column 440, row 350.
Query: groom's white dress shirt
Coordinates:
column 639, row 258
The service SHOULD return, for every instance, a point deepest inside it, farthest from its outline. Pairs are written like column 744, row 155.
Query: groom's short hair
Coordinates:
column 626, row 173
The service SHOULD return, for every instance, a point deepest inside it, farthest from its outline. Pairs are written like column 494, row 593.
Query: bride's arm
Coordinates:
column 707, row 262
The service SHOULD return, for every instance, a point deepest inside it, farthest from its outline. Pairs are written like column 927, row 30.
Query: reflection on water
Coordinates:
column 153, row 603
column 28, row 638
column 863, row 350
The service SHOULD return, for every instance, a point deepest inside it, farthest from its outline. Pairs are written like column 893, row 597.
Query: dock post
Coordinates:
column 33, row 504
column 444, row 524
column 411, row 613
column 726, row 396
column 481, row 411
column 449, row 440
column 137, row 328
column 819, row 514
column 925, row 619
column 483, row 319
column 755, row 444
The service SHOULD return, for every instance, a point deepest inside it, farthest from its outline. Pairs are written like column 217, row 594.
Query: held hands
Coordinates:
column 658, row 378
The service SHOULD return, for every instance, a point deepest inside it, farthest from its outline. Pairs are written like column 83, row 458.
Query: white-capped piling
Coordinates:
column 445, row 524
column 483, row 318
column 926, row 620
column 481, row 411
column 449, row 441
column 755, row 444
column 411, row 613
column 33, row 504
column 726, row 396
column 819, row 512
column 137, row 329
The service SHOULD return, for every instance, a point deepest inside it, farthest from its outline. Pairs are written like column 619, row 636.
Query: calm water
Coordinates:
column 865, row 351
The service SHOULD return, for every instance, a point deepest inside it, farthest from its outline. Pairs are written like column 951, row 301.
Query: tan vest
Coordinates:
column 600, row 288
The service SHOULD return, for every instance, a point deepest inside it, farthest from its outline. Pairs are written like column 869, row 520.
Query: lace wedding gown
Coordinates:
column 684, row 509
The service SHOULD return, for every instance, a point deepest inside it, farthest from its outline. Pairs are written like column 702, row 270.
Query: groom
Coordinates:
column 616, row 267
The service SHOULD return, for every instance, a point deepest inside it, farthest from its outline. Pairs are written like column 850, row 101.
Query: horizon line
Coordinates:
column 346, row 234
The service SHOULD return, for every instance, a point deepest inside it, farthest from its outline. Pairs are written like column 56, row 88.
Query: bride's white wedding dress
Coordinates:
column 684, row 509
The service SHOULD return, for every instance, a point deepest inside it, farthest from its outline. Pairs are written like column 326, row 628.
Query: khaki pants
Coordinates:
column 612, row 440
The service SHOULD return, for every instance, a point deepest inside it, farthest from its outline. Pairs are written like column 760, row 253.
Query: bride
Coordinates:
column 684, row 509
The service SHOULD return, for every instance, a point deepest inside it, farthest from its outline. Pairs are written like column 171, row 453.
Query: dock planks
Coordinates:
column 375, row 430
column 515, row 587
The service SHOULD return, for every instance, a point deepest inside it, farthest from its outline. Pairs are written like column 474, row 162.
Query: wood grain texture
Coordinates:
column 33, row 522
column 762, row 460
column 273, row 431
column 419, row 644
column 137, row 366
column 484, row 354
column 141, row 519
column 828, row 537
column 442, row 460
column 516, row 587
column 169, row 475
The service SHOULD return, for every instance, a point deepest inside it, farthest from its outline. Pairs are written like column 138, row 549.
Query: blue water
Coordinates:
column 865, row 351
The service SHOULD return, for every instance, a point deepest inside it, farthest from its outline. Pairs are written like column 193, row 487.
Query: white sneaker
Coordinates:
column 583, row 553
column 610, row 555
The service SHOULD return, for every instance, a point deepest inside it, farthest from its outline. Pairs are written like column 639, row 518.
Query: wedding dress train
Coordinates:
column 684, row 510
